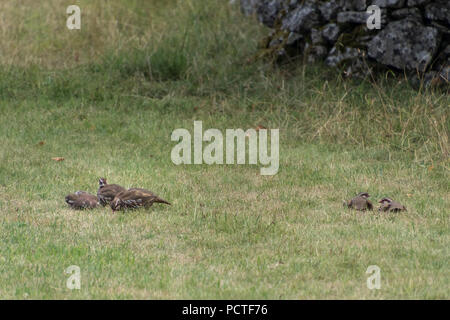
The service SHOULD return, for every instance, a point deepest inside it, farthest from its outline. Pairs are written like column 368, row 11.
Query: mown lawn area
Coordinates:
column 107, row 101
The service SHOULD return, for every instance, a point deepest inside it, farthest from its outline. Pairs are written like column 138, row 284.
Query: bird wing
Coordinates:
column 395, row 206
column 109, row 191
column 89, row 199
column 358, row 203
column 142, row 197
column 149, row 197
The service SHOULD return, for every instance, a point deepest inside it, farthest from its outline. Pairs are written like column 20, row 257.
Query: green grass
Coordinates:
column 230, row 232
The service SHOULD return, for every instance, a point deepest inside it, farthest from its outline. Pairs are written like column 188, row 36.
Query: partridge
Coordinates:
column 361, row 202
column 106, row 192
column 81, row 200
column 135, row 198
column 387, row 204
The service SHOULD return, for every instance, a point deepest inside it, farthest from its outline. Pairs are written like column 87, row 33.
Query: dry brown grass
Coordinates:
column 35, row 32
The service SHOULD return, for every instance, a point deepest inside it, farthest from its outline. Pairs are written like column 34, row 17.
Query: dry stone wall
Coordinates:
column 413, row 35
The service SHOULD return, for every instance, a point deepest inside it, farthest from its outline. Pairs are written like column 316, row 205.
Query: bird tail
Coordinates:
column 159, row 200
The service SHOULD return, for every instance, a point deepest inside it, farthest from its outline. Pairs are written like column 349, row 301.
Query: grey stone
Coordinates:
column 301, row 19
column 331, row 32
column 316, row 36
column 405, row 44
column 337, row 57
column 414, row 35
column 438, row 11
column 267, row 11
column 389, row 3
column 415, row 3
column 329, row 9
column 357, row 17
column 293, row 4
column 407, row 12
column 248, row 7
column 352, row 17
column 360, row 5
column 346, row 5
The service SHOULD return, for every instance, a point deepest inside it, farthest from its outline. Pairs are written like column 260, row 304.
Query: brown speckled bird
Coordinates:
column 81, row 200
column 135, row 198
column 361, row 202
column 387, row 204
column 106, row 192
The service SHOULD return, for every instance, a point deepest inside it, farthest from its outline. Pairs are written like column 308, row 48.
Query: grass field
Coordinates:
column 107, row 98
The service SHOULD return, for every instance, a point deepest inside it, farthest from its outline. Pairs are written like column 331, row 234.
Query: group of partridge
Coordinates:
column 362, row 203
column 117, row 197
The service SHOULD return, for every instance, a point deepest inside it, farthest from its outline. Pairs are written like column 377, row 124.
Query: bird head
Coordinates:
column 385, row 200
column 364, row 195
column 102, row 182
